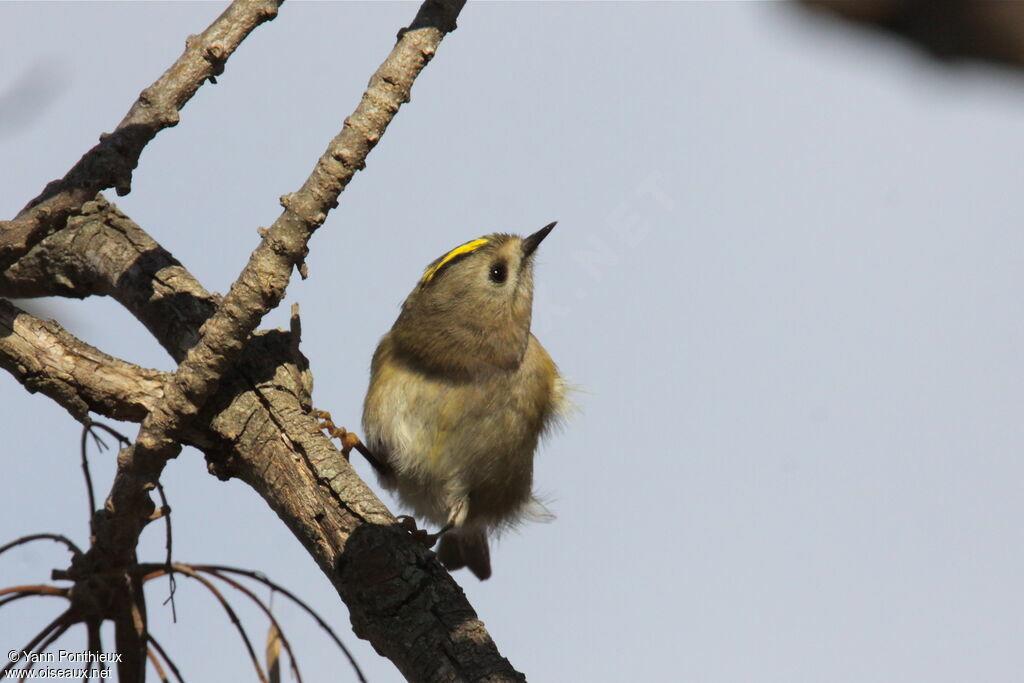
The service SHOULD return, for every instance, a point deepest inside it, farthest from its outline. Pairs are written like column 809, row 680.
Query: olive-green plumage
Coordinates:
column 460, row 393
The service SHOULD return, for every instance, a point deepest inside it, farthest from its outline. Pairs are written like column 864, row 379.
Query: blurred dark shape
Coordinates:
column 991, row 30
column 25, row 100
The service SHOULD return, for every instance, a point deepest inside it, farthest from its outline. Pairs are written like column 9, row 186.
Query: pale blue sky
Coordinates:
column 786, row 280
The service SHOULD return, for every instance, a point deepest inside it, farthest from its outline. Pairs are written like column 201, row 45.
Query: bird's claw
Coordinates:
column 348, row 439
column 421, row 536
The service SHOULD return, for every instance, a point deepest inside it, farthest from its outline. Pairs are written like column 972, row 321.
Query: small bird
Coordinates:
column 461, row 392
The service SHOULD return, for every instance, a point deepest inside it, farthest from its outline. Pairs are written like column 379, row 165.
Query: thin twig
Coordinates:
column 41, row 537
column 19, row 596
column 124, row 440
column 156, row 665
column 100, row 445
column 187, row 571
column 172, row 586
column 382, row 629
column 270, row 615
column 49, row 628
column 51, row 639
column 163, row 654
column 263, row 281
column 257, row 576
column 36, row 589
column 111, row 162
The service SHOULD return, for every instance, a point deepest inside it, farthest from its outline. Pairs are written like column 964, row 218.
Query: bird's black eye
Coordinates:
column 499, row 272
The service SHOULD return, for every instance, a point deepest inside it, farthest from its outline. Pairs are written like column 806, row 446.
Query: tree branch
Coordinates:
column 111, row 162
column 256, row 425
column 44, row 357
column 103, row 252
column 262, row 283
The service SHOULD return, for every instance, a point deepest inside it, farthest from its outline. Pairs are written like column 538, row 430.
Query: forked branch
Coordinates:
column 111, row 162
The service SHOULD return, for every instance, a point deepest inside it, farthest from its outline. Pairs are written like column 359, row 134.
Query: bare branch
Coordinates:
column 217, row 570
column 166, row 658
column 156, row 665
column 270, row 615
column 45, row 357
column 89, row 429
column 262, row 283
column 187, row 571
column 100, row 445
column 258, row 428
column 35, row 589
column 60, row 623
column 19, row 596
column 103, row 252
column 54, row 635
column 121, row 438
column 111, row 162
column 256, row 425
column 165, row 509
column 42, row 537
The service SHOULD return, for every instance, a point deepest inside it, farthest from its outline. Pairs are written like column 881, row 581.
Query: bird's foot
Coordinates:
column 348, row 439
column 427, row 540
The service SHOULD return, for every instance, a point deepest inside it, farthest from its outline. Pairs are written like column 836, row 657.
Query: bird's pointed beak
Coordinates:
column 531, row 243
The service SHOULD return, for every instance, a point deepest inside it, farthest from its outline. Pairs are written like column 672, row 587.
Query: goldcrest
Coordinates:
column 461, row 392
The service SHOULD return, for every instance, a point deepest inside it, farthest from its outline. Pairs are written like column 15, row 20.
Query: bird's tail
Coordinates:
column 466, row 548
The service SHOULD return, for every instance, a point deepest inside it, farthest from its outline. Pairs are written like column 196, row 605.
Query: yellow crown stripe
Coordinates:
column 457, row 251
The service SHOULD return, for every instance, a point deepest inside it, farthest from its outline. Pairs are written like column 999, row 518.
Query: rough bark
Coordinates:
column 261, row 285
column 244, row 399
column 44, row 357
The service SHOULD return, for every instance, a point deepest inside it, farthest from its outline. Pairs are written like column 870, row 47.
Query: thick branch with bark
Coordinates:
column 262, row 283
column 253, row 422
column 44, row 357
column 258, row 429
column 102, row 252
